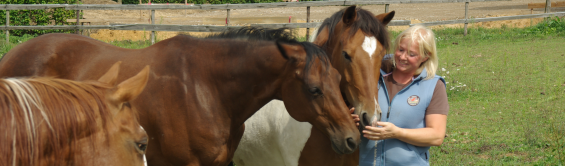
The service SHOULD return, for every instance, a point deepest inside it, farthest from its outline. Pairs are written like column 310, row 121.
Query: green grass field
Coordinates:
column 506, row 90
column 507, row 99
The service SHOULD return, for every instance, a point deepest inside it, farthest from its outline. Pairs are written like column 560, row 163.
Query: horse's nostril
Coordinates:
column 351, row 144
column 366, row 119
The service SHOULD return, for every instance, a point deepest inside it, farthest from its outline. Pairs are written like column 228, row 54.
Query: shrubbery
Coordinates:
column 548, row 26
column 57, row 16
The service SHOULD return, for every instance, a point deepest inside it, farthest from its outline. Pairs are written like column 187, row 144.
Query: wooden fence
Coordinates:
column 209, row 28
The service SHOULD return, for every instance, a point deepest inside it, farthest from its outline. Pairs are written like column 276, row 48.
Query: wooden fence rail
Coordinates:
column 475, row 20
column 204, row 28
column 224, row 6
column 211, row 28
column 185, row 28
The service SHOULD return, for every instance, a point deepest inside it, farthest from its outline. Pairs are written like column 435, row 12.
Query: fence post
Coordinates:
column 307, row 21
column 228, row 18
column 78, row 20
column 289, row 21
column 547, row 6
column 466, row 21
column 7, row 24
column 152, row 23
column 386, row 11
column 531, row 12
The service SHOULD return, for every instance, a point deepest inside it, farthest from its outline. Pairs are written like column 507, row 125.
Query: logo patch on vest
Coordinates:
column 413, row 100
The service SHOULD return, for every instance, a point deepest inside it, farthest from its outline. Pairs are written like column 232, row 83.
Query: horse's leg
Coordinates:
column 234, row 141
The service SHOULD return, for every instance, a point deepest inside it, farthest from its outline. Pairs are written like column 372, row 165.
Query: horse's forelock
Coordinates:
column 371, row 26
column 27, row 103
column 314, row 52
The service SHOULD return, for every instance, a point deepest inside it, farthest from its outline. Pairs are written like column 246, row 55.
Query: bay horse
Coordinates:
column 48, row 121
column 356, row 41
column 201, row 91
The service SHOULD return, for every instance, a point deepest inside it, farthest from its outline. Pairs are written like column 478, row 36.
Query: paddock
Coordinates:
column 506, row 95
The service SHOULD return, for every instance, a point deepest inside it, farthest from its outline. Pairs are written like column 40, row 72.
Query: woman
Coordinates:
column 414, row 104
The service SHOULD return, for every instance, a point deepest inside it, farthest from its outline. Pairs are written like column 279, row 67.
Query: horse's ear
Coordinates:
column 111, row 75
column 132, row 87
column 290, row 51
column 385, row 17
column 349, row 15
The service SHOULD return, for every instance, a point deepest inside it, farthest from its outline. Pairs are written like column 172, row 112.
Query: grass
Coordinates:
column 506, row 90
column 506, row 101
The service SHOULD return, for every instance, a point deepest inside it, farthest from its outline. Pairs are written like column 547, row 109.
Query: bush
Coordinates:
column 56, row 16
column 550, row 25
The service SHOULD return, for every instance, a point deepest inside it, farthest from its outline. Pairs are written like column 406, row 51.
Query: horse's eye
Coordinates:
column 142, row 146
column 346, row 56
column 315, row 91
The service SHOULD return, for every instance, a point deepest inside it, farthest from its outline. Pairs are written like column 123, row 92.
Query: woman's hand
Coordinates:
column 387, row 131
column 354, row 116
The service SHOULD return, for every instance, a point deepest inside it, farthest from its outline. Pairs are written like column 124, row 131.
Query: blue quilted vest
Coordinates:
column 407, row 111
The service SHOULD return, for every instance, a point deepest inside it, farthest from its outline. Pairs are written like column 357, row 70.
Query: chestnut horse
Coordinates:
column 201, row 91
column 48, row 121
column 357, row 41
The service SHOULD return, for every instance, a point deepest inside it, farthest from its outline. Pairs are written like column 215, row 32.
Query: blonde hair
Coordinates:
column 427, row 44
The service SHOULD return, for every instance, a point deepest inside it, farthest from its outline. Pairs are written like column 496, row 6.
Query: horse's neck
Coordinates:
column 251, row 75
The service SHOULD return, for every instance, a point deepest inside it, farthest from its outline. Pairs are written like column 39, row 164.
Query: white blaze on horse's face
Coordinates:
column 370, row 45
column 144, row 159
column 377, row 113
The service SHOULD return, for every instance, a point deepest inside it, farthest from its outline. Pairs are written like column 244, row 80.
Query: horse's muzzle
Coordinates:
column 350, row 146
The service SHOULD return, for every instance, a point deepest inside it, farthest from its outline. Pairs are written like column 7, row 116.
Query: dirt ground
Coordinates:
column 417, row 13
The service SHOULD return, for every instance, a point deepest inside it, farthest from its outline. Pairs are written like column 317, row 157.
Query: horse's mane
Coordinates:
column 48, row 115
column 279, row 36
column 366, row 21
column 255, row 33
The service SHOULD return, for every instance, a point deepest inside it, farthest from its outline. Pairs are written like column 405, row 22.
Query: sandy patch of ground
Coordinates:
column 426, row 12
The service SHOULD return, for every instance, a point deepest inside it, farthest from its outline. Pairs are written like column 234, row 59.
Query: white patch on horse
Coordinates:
column 272, row 137
column 204, row 96
column 144, row 160
column 375, row 115
column 370, row 45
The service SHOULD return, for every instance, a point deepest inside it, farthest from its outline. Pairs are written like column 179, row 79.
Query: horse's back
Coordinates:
column 272, row 134
column 48, row 55
column 66, row 56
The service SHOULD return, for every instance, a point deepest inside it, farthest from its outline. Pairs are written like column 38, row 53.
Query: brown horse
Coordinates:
column 201, row 91
column 343, row 33
column 357, row 41
column 48, row 121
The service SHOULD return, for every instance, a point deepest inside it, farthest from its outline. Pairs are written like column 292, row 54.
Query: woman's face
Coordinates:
column 408, row 60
